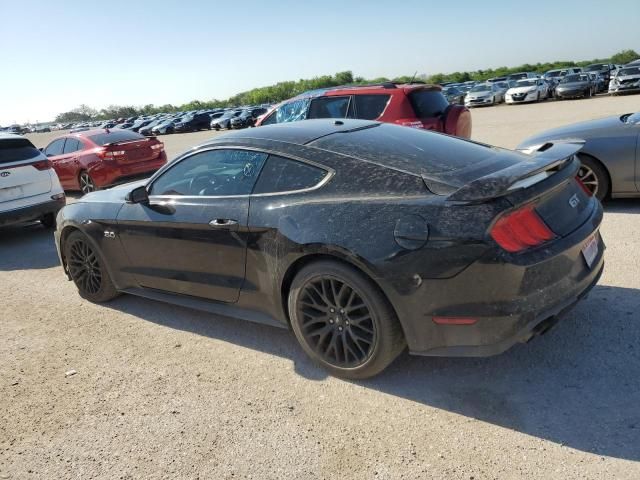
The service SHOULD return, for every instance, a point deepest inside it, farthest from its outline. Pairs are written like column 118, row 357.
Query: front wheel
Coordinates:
column 594, row 177
column 87, row 269
column 343, row 321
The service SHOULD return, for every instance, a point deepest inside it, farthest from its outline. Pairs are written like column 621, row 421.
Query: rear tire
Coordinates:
column 87, row 185
column 343, row 321
column 87, row 269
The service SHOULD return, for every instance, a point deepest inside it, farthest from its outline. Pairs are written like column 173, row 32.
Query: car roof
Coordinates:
column 298, row 133
column 10, row 136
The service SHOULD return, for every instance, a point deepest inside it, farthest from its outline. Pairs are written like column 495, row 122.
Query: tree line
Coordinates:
column 284, row 90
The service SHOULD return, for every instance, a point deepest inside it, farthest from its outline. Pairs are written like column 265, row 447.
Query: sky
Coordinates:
column 56, row 55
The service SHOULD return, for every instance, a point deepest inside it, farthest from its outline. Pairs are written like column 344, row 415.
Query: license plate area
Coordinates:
column 590, row 251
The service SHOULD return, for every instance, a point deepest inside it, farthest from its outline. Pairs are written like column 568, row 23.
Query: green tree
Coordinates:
column 625, row 56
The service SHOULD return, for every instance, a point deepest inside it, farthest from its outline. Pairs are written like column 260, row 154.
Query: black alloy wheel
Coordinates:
column 86, row 269
column 343, row 321
column 336, row 322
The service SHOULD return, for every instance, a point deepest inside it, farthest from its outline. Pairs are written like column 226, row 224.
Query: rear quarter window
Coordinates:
column 16, row 150
column 284, row 175
column 370, row 107
column 329, row 107
column 115, row 137
column 428, row 103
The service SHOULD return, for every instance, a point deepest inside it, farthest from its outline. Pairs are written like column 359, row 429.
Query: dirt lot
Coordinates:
column 165, row 392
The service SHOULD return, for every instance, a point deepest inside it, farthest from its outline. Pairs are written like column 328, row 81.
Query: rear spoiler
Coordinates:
column 544, row 160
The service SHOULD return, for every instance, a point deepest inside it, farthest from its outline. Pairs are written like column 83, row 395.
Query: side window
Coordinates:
column 285, row 175
column 329, row 107
column 370, row 107
column 211, row 173
column 80, row 145
column 54, row 148
column 71, row 145
column 271, row 119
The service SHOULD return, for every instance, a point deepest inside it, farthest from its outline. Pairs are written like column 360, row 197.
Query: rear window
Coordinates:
column 408, row 149
column 370, row 107
column 16, row 150
column 428, row 103
column 115, row 137
column 284, row 175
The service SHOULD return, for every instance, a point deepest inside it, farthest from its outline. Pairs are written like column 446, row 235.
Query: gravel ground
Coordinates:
column 166, row 392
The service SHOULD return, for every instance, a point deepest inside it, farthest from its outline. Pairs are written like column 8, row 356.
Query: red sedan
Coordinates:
column 100, row 158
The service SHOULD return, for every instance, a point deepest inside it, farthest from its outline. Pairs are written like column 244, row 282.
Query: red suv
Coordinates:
column 100, row 158
column 413, row 105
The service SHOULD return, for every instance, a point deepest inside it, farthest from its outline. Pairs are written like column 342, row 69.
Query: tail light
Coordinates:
column 584, row 187
column 520, row 230
column 110, row 154
column 43, row 165
column 158, row 146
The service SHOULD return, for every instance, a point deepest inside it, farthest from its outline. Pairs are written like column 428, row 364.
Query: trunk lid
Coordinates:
column 547, row 180
column 133, row 151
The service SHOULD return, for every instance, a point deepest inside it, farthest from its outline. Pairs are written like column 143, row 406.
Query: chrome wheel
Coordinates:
column 336, row 322
column 86, row 183
column 589, row 178
column 84, row 267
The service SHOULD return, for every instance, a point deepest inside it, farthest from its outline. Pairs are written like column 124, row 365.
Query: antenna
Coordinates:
column 414, row 77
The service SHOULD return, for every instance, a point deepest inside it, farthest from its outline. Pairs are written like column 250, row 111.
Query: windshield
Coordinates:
column 596, row 67
column 483, row 87
column 630, row 71
column 553, row 73
column 527, row 83
column 574, row 78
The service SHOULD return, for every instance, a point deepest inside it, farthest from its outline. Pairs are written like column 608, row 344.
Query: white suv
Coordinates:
column 29, row 187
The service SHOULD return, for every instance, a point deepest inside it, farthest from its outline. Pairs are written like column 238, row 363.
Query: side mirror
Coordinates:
column 138, row 195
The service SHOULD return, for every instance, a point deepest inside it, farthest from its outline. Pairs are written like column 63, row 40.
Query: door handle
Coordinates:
column 223, row 223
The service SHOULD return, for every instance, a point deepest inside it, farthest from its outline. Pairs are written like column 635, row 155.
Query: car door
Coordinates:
column 66, row 165
column 190, row 238
column 55, row 153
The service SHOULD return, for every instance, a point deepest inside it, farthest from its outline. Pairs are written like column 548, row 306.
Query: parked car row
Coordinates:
column 564, row 83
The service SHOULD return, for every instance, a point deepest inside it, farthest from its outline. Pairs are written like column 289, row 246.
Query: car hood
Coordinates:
column 580, row 130
column 511, row 91
column 628, row 77
column 483, row 93
column 112, row 195
column 572, row 85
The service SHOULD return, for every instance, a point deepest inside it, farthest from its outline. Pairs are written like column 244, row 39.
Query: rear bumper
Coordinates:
column 31, row 213
column 512, row 297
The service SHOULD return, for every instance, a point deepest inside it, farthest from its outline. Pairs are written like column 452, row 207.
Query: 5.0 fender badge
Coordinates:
column 109, row 234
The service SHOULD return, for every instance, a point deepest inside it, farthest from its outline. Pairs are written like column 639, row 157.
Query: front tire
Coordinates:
column 343, row 321
column 594, row 177
column 87, row 269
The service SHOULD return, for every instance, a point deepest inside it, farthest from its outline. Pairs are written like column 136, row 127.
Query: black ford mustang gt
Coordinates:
column 362, row 237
